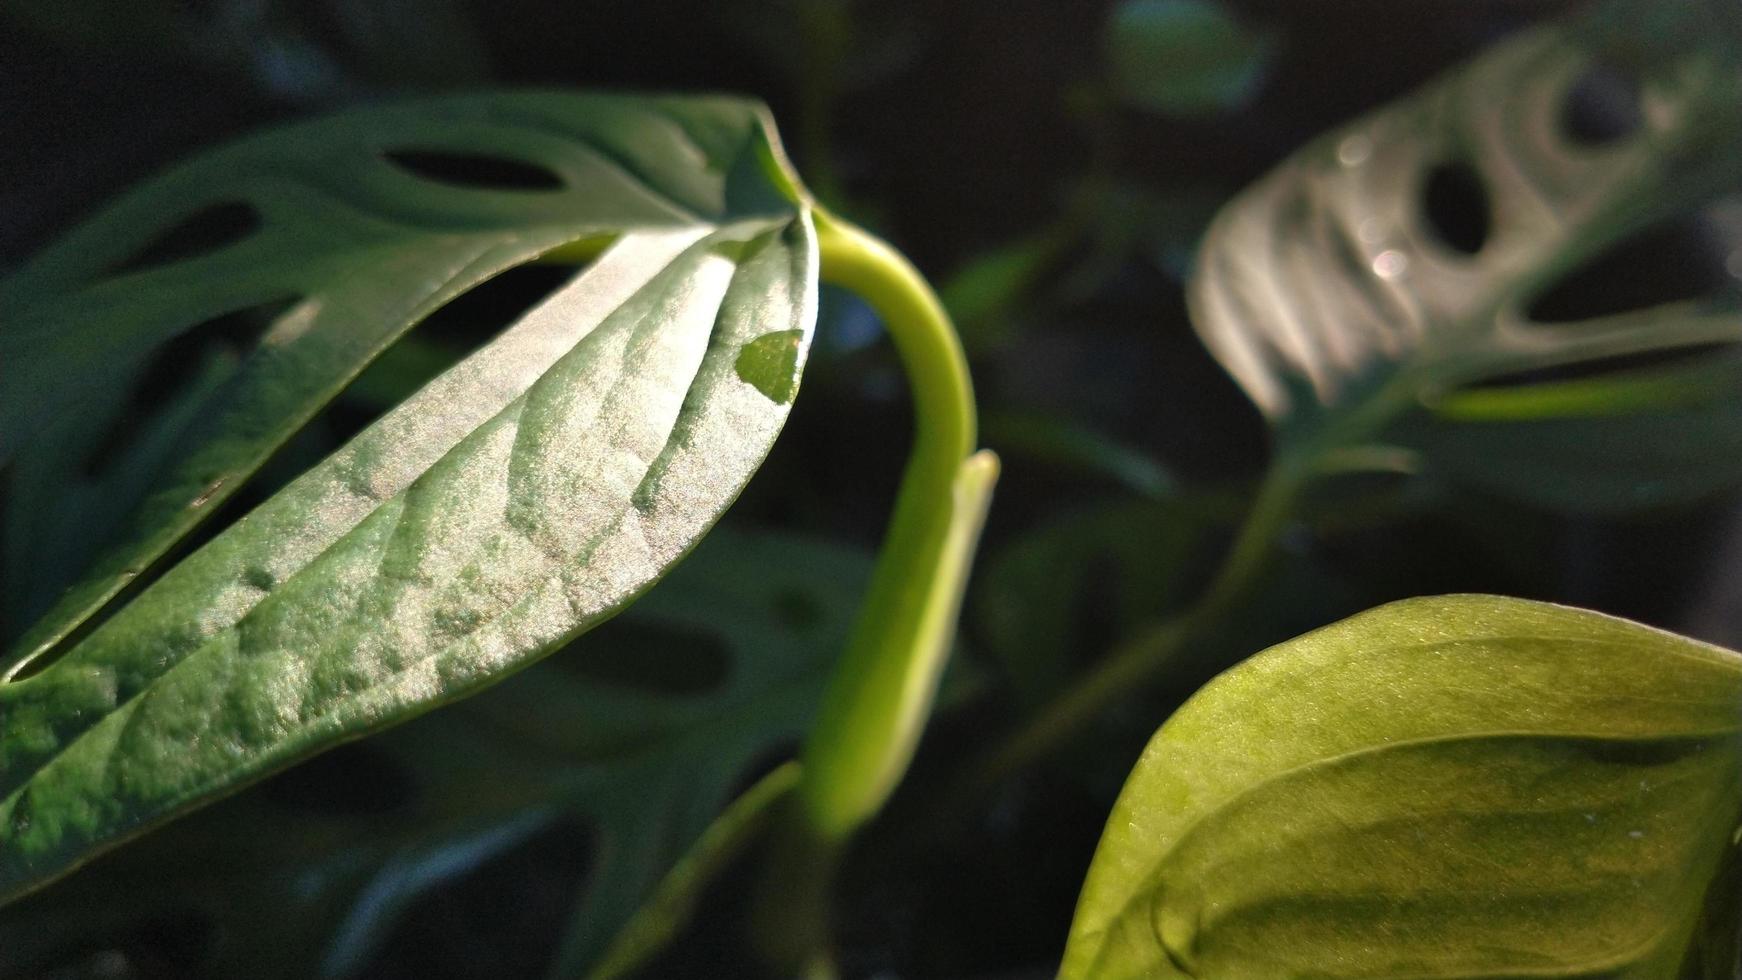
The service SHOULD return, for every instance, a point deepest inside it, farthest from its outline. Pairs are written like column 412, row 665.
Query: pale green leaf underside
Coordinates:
column 1332, row 296
column 359, row 247
column 521, row 497
column 639, row 771
column 1465, row 786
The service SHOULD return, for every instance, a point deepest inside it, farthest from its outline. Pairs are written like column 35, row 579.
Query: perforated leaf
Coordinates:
column 1465, row 786
column 1393, row 265
column 288, row 261
column 526, row 494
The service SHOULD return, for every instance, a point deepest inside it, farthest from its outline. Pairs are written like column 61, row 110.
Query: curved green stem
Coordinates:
column 1339, row 447
column 1140, row 658
column 881, row 692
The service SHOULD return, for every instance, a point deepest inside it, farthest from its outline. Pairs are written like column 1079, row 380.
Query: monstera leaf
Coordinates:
column 622, row 748
column 523, row 496
column 1464, row 786
column 288, row 261
column 1381, row 288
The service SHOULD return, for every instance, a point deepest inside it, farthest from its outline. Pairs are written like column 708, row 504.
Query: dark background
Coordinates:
column 954, row 129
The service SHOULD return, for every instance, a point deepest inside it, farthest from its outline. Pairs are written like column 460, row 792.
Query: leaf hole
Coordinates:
column 1671, row 261
column 204, row 232
column 1602, row 107
column 459, row 926
column 662, row 658
column 477, row 171
column 447, row 336
column 353, row 780
column 1456, row 206
column 222, row 341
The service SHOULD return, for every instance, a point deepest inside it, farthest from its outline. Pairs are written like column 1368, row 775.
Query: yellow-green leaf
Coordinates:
column 1463, row 786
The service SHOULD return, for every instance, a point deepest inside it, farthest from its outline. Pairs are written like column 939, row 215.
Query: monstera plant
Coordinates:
column 1461, row 786
column 1467, row 786
column 518, row 499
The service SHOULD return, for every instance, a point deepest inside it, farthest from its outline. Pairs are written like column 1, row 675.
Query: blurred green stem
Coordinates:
column 827, row 27
column 1140, row 658
column 790, row 909
column 1347, row 445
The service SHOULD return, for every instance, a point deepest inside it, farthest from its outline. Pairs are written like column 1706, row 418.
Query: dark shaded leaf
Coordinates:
column 1183, row 57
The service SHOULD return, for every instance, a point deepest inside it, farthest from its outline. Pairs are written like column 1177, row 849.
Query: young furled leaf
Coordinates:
column 1464, row 786
column 1361, row 290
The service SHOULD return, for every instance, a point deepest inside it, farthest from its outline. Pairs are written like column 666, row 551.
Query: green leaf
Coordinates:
column 983, row 295
column 522, row 497
column 1371, row 290
column 290, row 880
column 327, row 250
column 1627, row 440
column 1464, row 786
column 1184, row 57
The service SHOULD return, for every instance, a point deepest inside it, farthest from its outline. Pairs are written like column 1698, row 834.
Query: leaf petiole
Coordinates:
column 880, row 694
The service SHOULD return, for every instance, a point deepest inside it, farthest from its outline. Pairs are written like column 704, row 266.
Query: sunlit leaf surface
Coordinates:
column 273, row 270
column 1464, row 786
column 615, row 753
column 521, row 497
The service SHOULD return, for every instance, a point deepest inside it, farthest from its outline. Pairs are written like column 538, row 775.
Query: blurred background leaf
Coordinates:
column 1184, row 57
column 987, row 141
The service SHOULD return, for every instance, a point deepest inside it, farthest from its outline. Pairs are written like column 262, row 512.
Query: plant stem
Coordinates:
column 1340, row 446
column 1138, row 660
column 789, row 910
column 881, row 693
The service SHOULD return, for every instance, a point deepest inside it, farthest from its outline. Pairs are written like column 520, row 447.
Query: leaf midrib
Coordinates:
column 202, row 655
column 1146, row 892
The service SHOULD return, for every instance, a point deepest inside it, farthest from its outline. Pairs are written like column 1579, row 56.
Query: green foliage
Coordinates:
column 1364, row 320
column 297, row 213
column 628, row 743
column 1441, row 787
column 1129, row 557
column 1461, row 786
column 1183, row 57
column 524, row 496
